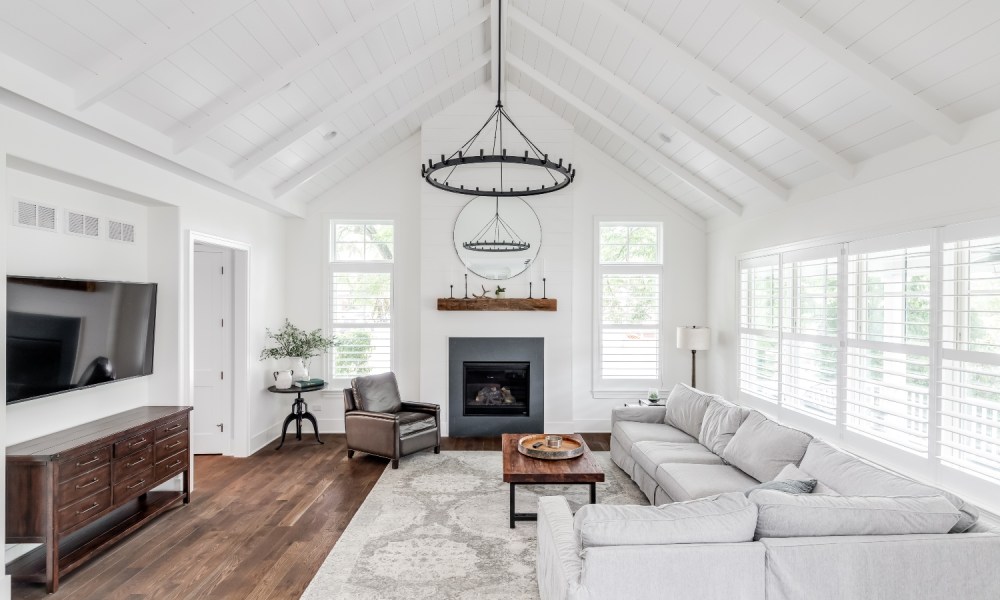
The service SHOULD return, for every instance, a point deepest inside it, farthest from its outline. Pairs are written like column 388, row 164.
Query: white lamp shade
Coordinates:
column 694, row 338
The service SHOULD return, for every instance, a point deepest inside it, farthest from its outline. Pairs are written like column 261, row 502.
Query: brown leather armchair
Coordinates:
column 377, row 422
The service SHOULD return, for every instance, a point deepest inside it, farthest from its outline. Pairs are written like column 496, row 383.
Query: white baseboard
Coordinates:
column 593, row 426
column 331, row 425
column 6, row 588
column 265, row 437
column 560, row 427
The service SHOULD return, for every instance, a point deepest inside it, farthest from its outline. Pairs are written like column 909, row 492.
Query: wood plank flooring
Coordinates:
column 257, row 528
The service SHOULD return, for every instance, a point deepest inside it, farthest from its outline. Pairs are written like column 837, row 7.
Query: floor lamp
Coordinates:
column 694, row 339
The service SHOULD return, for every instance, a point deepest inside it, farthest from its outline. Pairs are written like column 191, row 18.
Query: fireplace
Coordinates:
column 495, row 388
column 496, row 385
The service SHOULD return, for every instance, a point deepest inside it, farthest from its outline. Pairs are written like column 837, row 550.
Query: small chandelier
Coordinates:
column 547, row 175
column 500, row 230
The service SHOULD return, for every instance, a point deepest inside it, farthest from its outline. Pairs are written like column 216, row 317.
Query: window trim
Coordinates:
column 331, row 266
column 624, row 388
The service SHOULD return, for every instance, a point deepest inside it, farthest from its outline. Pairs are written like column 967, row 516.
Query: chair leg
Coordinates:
column 350, row 453
column 395, row 463
column 437, row 449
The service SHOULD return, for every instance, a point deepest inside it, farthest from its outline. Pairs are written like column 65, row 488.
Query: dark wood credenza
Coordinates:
column 80, row 490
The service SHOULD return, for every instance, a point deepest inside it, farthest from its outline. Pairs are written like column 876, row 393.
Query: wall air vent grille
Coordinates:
column 121, row 232
column 36, row 216
column 81, row 224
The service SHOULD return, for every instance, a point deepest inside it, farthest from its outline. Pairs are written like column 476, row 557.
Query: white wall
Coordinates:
column 5, row 214
column 426, row 262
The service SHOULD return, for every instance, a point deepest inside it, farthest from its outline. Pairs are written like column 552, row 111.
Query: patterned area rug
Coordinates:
column 438, row 528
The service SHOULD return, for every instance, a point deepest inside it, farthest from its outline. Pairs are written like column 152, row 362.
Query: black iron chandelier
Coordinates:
column 501, row 230
column 550, row 176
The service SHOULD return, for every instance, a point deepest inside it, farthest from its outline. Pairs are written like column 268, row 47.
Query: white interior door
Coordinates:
column 213, row 318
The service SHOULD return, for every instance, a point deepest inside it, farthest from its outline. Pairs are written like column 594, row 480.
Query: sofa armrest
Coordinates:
column 641, row 414
column 423, row 407
column 889, row 567
column 558, row 560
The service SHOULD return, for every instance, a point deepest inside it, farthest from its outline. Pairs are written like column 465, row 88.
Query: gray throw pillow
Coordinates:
column 686, row 408
column 788, row 486
column 761, row 447
column 808, row 515
column 792, row 472
column 722, row 419
column 377, row 393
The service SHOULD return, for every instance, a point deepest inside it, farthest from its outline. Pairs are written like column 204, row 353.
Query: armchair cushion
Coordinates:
column 377, row 393
column 412, row 422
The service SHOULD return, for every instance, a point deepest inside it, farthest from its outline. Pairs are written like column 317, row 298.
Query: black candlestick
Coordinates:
column 543, row 289
column 466, row 286
column 529, row 289
column 451, row 291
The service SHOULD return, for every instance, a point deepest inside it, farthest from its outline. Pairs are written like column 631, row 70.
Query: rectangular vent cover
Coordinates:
column 37, row 216
column 120, row 231
column 81, row 224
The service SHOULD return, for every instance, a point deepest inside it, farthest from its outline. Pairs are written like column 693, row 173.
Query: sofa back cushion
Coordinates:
column 377, row 393
column 808, row 515
column 722, row 419
column 721, row 518
column 686, row 408
column 853, row 476
column 761, row 448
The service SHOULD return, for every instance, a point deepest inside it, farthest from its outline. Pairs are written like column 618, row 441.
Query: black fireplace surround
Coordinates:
column 495, row 386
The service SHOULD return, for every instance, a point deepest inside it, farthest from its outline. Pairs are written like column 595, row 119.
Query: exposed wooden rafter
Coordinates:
column 648, row 104
column 928, row 117
column 223, row 109
column 156, row 49
column 683, row 173
column 636, row 28
column 359, row 95
column 389, row 121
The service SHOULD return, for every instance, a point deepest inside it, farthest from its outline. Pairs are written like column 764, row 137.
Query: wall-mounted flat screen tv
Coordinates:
column 68, row 334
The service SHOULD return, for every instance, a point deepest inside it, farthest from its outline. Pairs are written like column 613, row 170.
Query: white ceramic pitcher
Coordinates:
column 283, row 379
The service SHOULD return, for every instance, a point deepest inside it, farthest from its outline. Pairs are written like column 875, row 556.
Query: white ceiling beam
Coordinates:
column 928, row 117
column 625, row 88
column 221, row 109
column 156, row 49
column 388, row 122
column 359, row 95
column 662, row 47
column 682, row 172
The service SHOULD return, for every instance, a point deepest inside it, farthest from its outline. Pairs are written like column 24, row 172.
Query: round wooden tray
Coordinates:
column 570, row 448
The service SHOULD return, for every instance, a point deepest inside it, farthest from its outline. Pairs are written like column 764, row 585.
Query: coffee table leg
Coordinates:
column 512, row 506
column 593, row 493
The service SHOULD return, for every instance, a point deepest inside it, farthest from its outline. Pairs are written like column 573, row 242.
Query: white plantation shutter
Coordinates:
column 759, row 320
column 360, row 298
column 629, row 281
column 970, row 369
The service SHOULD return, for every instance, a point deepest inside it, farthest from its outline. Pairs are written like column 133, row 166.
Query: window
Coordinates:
column 360, row 297
column 629, row 271
column 894, row 340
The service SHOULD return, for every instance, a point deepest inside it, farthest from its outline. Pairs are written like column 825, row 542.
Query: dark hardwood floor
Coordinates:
column 257, row 528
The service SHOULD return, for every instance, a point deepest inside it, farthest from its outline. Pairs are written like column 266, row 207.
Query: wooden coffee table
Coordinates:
column 521, row 469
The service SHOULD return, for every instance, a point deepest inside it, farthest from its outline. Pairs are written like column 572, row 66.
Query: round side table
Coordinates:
column 300, row 410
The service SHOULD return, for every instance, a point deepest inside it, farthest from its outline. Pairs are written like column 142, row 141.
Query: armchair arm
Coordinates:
column 423, row 407
column 641, row 414
column 372, row 432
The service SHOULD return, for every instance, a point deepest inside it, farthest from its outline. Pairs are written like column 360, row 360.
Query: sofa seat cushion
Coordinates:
column 689, row 481
column 629, row 432
column 762, row 448
column 414, row 422
column 811, row 515
column 852, row 476
column 649, row 455
column 725, row 518
column 686, row 408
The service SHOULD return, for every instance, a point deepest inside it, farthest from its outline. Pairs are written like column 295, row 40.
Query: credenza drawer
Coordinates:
column 171, row 428
column 171, row 465
column 170, row 446
column 133, row 486
column 83, row 485
column 78, row 464
column 84, row 509
column 136, row 442
column 130, row 465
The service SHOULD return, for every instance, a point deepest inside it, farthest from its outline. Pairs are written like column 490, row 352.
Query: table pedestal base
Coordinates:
column 300, row 410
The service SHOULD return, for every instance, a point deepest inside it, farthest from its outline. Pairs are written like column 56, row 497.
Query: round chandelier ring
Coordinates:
column 496, row 246
column 427, row 172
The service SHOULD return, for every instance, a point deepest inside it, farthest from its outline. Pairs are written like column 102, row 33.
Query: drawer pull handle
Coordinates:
column 87, row 510
column 177, row 426
column 136, row 484
column 88, row 484
column 174, row 445
column 174, row 464
column 93, row 460
column 132, row 464
column 133, row 443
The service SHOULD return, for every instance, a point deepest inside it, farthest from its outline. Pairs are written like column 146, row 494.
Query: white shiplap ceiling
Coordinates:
column 722, row 104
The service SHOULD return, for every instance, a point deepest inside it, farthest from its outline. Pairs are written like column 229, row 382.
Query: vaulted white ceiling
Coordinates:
column 721, row 104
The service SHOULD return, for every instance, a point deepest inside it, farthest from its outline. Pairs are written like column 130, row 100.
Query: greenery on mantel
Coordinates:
column 292, row 342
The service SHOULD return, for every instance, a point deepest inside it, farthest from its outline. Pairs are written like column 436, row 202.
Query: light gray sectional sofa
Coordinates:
column 864, row 532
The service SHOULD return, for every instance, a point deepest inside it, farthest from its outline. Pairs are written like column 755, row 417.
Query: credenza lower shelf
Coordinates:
column 83, row 489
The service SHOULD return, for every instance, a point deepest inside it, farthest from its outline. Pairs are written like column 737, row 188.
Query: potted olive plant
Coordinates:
column 298, row 345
